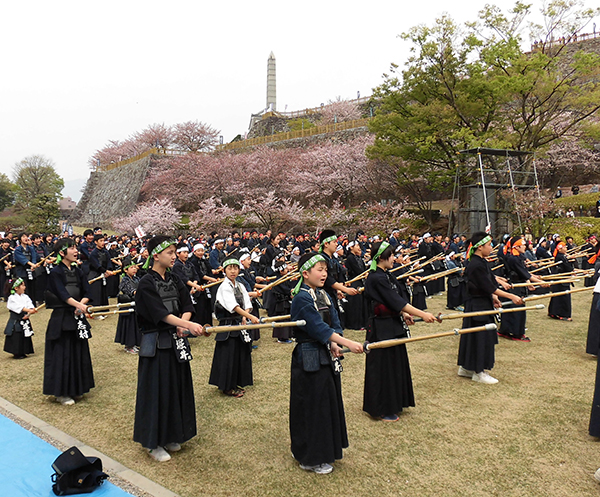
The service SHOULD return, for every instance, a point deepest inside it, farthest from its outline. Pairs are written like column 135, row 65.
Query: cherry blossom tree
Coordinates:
column 194, row 136
column 212, row 215
column 382, row 219
column 318, row 217
column 155, row 135
column 342, row 172
column 156, row 217
column 338, row 110
column 568, row 161
column 535, row 209
column 272, row 212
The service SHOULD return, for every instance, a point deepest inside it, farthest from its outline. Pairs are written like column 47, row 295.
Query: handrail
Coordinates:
column 152, row 151
column 564, row 40
column 289, row 135
column 317, row 110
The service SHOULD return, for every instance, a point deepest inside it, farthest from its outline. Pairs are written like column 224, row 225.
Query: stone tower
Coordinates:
column 271, row 84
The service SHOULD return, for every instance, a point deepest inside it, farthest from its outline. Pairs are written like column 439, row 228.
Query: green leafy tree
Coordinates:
column 37, row 190
column 7, row 192
column 475, row 86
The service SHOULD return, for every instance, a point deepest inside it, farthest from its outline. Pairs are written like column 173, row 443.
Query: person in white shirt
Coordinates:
column 231, row 368
column 18, row 330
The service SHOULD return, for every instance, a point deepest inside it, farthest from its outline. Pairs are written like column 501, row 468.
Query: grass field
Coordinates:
column 525, row 436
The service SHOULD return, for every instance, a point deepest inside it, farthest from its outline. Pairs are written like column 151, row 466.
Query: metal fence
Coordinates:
column 289, row 135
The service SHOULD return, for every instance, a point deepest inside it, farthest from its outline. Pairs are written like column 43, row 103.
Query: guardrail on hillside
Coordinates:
column 316, row 110
column 152, row 151
column 564, row 40
column 289, row 135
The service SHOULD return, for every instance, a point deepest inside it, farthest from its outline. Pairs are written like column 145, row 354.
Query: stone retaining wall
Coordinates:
column 111, row 194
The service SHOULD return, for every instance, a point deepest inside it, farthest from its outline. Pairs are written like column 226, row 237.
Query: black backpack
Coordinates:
column 76, row 474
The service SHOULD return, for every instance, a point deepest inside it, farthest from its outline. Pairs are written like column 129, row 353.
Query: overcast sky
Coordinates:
column 77, row 74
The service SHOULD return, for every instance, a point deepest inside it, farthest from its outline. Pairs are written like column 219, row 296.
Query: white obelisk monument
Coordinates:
column 271, row 84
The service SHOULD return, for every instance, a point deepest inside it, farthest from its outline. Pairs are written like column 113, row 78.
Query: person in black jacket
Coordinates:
column 317, row 420
column 354, row 308
column 560, row 306
column 128, row 332
column 513, row 324
column 476, row 350
column 165, row 413
column 100, row 266
column 388, row 382
column 68, row 372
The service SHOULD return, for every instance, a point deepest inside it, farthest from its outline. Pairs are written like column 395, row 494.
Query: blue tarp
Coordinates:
column 26, row 465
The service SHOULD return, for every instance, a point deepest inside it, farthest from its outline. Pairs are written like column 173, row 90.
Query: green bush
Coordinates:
column 579, row 228
column 300, row 124
column 587, row 200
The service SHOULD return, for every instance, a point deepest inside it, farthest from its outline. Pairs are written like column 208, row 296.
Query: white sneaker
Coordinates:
column 320, row 469
column 159, row 454
column 65, row 401
column 465, row 372
column 597, row 475
column 173, row 447
column 483, row 377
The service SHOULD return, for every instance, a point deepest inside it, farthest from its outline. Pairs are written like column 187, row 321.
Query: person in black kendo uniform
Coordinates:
column 334, row 285
column 100, row 267
column 388, row 382
column 165, row 412
column 68, row 372
column 476, row 351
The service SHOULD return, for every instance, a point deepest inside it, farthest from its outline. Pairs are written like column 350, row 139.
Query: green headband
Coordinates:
column 382, row 248
column 157, row 250
column 327, row 240
column 229, row 262
column 65, row 247
column 125, row 268
column 306, row 267
column 481, row 242
column 17, row 282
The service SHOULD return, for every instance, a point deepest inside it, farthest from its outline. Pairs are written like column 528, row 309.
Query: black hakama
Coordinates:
column 16, row 342
column 388, row 381
column 476, row 351
column 41, row 283
column 282, row 306
column 457, row 292
column 112, row 286
column 165, row 409
column 67, row 361
column 595, row 415
column 232, row 361
column 203, row 308
column 317, row 419
column 593, row 335
column 419, row 296
column 513, row 324
column 560, row 307
column 128, row 332
column 98, row 295
column 355, row 307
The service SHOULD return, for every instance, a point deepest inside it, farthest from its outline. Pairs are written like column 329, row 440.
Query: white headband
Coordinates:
column 198, row 246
